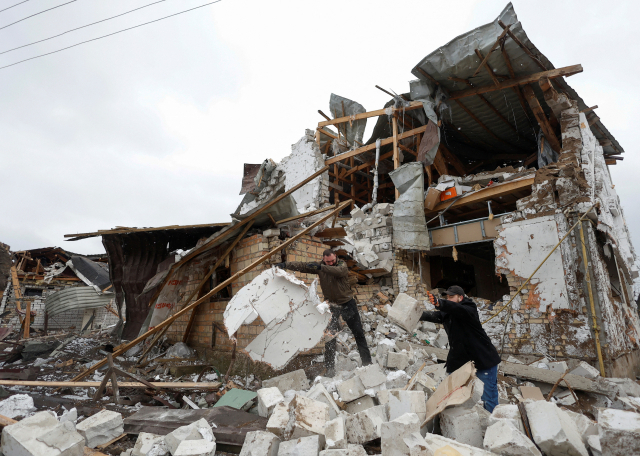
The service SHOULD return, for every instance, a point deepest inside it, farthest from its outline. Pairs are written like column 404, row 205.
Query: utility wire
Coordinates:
column 25, row 18
column 25, row 1
column 107, row 35
column 81, row 27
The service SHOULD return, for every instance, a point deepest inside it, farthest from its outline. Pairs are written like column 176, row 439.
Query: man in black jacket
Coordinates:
column 467, row 340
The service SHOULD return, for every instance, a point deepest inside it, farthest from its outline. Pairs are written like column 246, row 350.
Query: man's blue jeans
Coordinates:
column 490, row 379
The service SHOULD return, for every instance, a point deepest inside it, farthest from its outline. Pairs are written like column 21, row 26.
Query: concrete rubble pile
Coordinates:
column 370, row 237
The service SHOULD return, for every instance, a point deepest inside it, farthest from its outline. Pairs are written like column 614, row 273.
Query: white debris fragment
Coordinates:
column 17, row 405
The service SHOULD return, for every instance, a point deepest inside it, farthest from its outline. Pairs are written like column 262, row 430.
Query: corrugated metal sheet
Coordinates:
column 458, row 59
column 76, row 298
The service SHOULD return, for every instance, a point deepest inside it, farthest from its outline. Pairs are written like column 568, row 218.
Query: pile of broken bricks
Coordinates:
column 370, row 237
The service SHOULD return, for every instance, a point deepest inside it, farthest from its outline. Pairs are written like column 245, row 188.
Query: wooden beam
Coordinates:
column 77, row 384
column 369, row 163
column 348, row 195
column 27, row 321
column 541, row 117
column 486, row 193
column 453, row 160
column 523, row 80
column 516, row 89
column 610, row 162
column 605, row 142
column 407, row 150
column 493, row 48
column 396, row 154
column 439, row 164
column 124, row 347
column 306, row 214
column 366, row 115
column 590, row 109
column 428, row 76
column 384, row 142
column 484, row 63
column 484, row 127
column 522, row 46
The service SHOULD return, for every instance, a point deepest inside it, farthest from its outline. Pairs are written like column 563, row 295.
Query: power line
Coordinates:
column 25, row 1
column 81, row 27
column 25, row 18
column 109, row 34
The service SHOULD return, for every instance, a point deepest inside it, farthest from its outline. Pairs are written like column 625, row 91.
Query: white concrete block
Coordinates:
column 462, row 425
column 383, row 349
column 101, row 428
column 382, row 208
column 442, row 340
column 268, row 398
column 505, row 439
column 402, row 402
column 278, row 420
column 197, row 431
column 319, row 393
column 559, row 366
column 398, row 361
column 16, row 406
column 417, row 445
column 626, row 386
column 586, row 427
column 356, row 450
column 304, row 446
column 360, row 404
column 406, row 312
column 69, row 415
column 306, row 417
column 397, row 379
column 296, row 380
column 553, row 430
column 392, row 434
column 593, row 442
column 351, row 389
column 438, row 442
column 41, row 435
column 365, row 426
column 371, row 376
column 271, row 232
column 586, row 370
column 619, row 432
column 260, row 443
column 149, row 445
column 507, row 412
column 335, row 434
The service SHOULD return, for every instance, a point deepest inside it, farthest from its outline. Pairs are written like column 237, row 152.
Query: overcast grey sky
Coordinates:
column 151, row 127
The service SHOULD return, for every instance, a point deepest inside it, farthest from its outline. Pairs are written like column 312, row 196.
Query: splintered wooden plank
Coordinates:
column 332, row 233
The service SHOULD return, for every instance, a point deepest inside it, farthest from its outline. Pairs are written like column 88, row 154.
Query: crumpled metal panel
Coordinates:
column 354, row 129
column 409, row 225
column 458, row 59
column 75, row 298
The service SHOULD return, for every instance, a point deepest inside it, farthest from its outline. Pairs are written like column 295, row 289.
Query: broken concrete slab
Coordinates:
column 41, row 434
column 360, row 404
column 593, row 442
column 351, row 389
column 559, row 366
column 335, row 434
column 398, row 361
column 101, row 428
column 278, row 420
column 289, row 308
column 505, row 439
column 585, row 369
column 306, row 417
column 268, row 398
column 406, row 312
column 397, row 379
column 392, row 434
column 365, row 426
column 438, row 442
column 507, row 412
column 382, row 351
column 196, row 448
column 371, row 375
column 624, row 385
column 417, row 445
column 553, row 430
column 619, row 432
column 149, row 445
column 402, row 402
column 296, row 380
column 179, row 440
column 303, row 446
column 586, row 427
column 319, row 393
column 17, row 405
column 260, row 443
column 462, row 425
column 442, row 340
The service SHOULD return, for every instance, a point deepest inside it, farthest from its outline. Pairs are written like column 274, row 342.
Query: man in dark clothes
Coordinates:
column 334, row 281
column 467, row 340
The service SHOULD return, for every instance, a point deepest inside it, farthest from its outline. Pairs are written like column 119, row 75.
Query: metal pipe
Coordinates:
column 596, row 328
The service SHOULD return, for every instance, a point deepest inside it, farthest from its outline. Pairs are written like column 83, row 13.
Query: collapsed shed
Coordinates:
column 490, row 172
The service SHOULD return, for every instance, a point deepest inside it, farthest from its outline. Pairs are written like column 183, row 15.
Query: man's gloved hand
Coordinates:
column 314, row 266
column 432, row 299
column 280, row 265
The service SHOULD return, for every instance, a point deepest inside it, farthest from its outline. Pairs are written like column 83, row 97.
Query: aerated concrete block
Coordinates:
column 360, row 404
column 41, row 435
column 442, row 340
column 335, row 434
column 507, row 412
column 462, row 425
column 304, row 446
column 382, row 351
column 296, row 380
column 406, row 312
column 351, row 389
column 397, row 379
column 505, row 439
column 260, row 443
column 268, row 398
column 319, row 393
column 586, row 427
column 194, row 439
column 306, row 417
column 398, row 361
column 553, row 430
column 586, row 370
column 278, row 420
column 196, row 448
column 593, row 442
column 437, row 442
column 402, row 402
column 382, row 208
column 392, row 434
column 271, row 232
column 559, row 366
column 371, row 376
column 365, row 426
column 149, row 445
column 101, row 428
column 619, row 432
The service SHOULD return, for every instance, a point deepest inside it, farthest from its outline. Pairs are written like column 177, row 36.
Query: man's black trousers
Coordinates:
column 351, row 316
